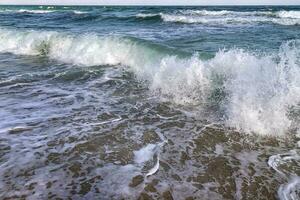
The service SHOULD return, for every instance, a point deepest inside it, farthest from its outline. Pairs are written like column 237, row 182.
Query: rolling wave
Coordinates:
column 254, row 93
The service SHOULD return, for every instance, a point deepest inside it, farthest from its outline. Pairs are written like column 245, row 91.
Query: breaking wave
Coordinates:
column 254, row 93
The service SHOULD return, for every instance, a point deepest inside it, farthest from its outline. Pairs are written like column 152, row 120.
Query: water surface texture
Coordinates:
column 149, row 102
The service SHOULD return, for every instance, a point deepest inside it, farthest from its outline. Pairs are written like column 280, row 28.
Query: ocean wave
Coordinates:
column 255, row 92
column 226, row 17
column 225, row 13
column 227, row 20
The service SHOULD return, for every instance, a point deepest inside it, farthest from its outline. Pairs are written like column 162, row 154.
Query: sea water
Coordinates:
column 108, row 102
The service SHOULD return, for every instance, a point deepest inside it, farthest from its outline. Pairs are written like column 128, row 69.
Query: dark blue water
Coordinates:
column 143, row 102
column 177, row 27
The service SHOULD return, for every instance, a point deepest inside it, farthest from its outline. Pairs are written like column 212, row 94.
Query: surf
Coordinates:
column 254, row 93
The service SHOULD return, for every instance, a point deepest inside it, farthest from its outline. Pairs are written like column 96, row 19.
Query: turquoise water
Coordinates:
column 108, row 102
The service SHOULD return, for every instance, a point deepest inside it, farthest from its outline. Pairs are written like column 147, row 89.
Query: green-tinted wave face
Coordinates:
column 110, row 102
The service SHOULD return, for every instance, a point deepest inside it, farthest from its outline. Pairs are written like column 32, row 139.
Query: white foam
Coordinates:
column 50, row 10
column 259, row 89
column 225, row 20
column 144, row 15
column 27, row 11
column 190, row 19
column 195, row 16
column 144, row 154
column 35, row 11
column 207, row 12
column 289, row 14
column 291, row 190
column 79, row 12
column 276, row 161
column 183, row 19
column 154, row 169
column 222, row 13
column 286, row 21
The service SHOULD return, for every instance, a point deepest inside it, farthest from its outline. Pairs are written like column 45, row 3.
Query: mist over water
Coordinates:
column 149, row 102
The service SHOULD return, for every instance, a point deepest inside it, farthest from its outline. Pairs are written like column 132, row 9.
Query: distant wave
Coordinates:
column 227, row 17
column 79, row 12
column 227, row 20
column 33, row 11
column 280, row 14
column 41, row 11
column 206, row 12
column 149, row 16
column 255, row 92
column 222, row 17
column 144, row 15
